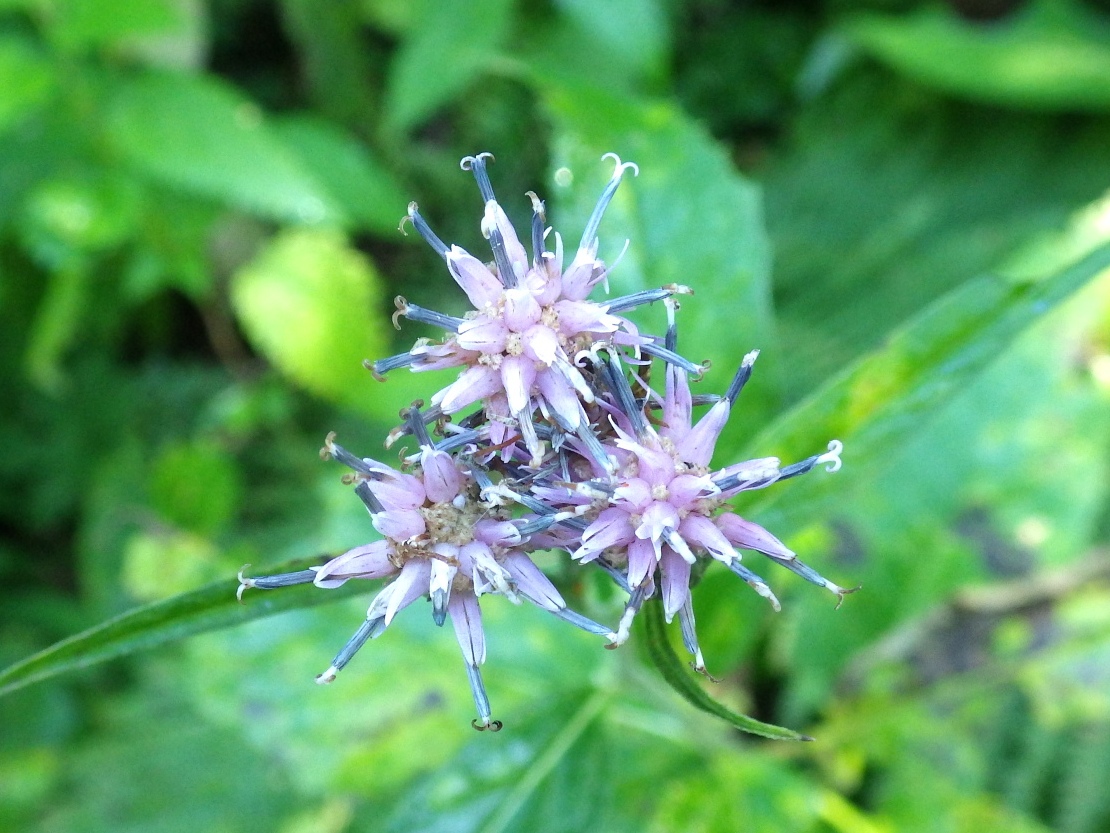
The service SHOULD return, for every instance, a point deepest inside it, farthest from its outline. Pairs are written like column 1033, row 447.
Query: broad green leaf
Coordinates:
column 627, row 40
column 1052, row 55
column 368, row 194
column 77, row 24
column 881, row 402
column 26, row 77
column 681, row 680
column 454, row 44
column 208, row 608
column 689, row 216
column 205, row 138
column 312, row 305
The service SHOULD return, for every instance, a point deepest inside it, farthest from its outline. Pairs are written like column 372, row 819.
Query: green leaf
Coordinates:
column 671, row 667
column 689, row 216
column 456, row 42
column 881, row 401
column 77, row 24
column 211, row 607
column 312, row 305
column 203, row 137
column 26, row 78
column 1052, row 55
column 368, row 194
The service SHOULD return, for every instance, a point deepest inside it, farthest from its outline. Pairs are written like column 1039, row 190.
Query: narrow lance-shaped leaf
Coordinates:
column 879, row 402
column 682, row 681
column 208, row 608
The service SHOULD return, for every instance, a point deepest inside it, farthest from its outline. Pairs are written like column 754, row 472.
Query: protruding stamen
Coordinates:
column 585, row 623
column 593, row 445
column 800, row 568
column 505, row 270
column 670, row 357
column 539, row 219
column 429, row 416
column 679, row 545
column 638, row 299
column 481, row 701
column 273, row 582
column 366, row 631
column 368, row 498
column 755, row 582
column 459, row 440
column 425, row 231
column 741, row 378
column 690, row 636
column 380, row 367
column 606, row 196
column 624, row 627
column 613, row 374
column 417, row 426
column 477, row 166
column 832, row 457
column 334, row 451
column 425, row 316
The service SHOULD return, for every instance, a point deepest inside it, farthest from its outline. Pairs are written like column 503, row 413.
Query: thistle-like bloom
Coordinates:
column 664, row 508
column 441, row 540
column 531, row 320
column 616, row 475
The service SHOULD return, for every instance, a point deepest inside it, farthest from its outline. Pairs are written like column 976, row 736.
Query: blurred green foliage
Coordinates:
column 903, row 204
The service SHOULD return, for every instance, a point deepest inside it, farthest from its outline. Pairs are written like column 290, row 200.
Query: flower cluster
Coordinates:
column 565, row 448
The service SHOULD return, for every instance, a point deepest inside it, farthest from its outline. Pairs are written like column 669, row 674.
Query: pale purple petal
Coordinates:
column 480, row 284
column 518, row 257
column 440, row 356
column 675, row 582
column 483, row 335
column 521, row 309
column 467, row 619
column 656, row 467
column 399, row 491
column 540, row 343
column 749, row 536
column 497, row 533
column 577, row 280
column 560, row 397
column 677, row 404
column 751, row 474
column 609, row 530
column 584, row 317
column 696, row 447
column 441, row 476
column 399, row 524
column 531, row 581
column 642, row 558
column 368, row 561
column 688, row 488
column 700, row 531
column 633, row 493
column 409, row 586
column 657, row 519
column 475, row 383
column 517, row 377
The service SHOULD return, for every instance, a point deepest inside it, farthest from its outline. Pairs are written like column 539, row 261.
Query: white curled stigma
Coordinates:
column 621, row 166
column 832, row 457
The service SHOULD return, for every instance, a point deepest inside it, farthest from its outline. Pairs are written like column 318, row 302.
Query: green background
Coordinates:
column 902, row 204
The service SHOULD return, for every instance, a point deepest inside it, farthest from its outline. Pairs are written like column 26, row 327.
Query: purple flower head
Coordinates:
column 568, row 451
column 664, row 508
column 440, row 540
column 531, row 320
